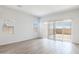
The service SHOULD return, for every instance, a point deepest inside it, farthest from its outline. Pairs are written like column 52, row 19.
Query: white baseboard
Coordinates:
column 14, row 41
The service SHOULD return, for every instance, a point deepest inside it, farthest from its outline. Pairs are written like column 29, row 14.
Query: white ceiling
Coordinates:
column 41, row 10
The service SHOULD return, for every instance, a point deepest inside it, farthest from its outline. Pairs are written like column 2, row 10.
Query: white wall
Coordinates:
column 23, row 26
column 75, row 31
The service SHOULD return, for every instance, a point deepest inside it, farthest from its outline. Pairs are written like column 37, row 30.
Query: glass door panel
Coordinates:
column 63, row 30
column 59, row 29
column 66, row 30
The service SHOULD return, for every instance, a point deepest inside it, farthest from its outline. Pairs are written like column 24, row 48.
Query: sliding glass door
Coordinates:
column 59, row 30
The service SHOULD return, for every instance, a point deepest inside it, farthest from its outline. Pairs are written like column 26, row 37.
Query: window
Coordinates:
column 36, row 25
column 8, row 29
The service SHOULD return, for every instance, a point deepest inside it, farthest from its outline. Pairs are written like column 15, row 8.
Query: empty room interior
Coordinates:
column 39, row 29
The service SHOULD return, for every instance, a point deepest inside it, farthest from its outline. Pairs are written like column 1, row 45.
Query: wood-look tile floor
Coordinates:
column 40, row 46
